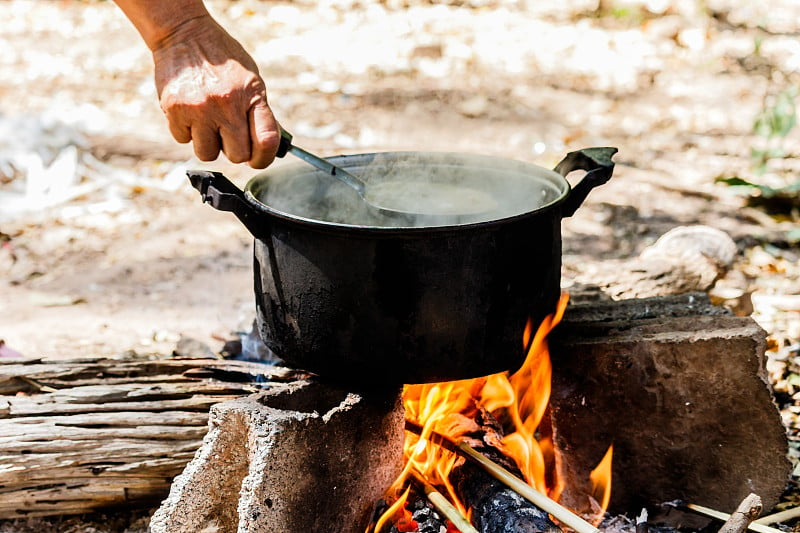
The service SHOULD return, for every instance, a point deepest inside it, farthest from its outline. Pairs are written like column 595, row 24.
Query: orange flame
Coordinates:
column 444, row 408
column 398, row 505
column 520, row 399
column 531, row 396
column 601, row 480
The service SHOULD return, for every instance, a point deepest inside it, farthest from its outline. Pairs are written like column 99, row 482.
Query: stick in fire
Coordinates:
column 445, row 507
column 563, row 515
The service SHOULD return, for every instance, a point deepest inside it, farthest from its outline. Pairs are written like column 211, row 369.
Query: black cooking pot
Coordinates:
column 366, row 300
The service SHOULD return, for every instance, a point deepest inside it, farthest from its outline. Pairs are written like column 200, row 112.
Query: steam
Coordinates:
column 434, row 189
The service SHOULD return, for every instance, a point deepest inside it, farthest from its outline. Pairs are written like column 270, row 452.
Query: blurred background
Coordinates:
column 105, row 249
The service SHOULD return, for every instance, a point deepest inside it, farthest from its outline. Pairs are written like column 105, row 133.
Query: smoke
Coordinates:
column 426, row 189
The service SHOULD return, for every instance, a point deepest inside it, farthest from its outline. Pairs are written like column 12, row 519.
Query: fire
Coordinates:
column 601, row 480
column 519, row 400
column 398, row 505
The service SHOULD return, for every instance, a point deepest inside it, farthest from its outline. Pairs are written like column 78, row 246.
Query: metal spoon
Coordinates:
column 382, row 195
column 327, row 167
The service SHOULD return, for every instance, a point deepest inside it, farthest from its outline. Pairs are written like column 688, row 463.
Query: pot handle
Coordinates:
column 221, row 193
column 599, row 166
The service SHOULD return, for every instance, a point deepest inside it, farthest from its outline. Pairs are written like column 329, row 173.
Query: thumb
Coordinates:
column 264, row 135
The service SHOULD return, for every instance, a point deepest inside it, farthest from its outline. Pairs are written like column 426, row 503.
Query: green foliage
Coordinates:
column 617, row 14
column 774, row 122
column 775, row 200
column 764, row 190
column 778, row 119
column 793, row 380
column 757, row 44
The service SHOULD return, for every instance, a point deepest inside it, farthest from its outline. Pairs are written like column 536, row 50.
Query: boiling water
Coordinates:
column 427, row 198
column 443, row 189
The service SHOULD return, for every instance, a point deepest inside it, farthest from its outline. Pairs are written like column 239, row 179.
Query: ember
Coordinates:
column 502, row 411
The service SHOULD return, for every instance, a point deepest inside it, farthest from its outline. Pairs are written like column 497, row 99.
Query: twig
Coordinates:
column 777, row 518
column 39, row 386
column 641, row 522
column 719, row 515
column 562, row 514
column 747, row 511
column 445, row 507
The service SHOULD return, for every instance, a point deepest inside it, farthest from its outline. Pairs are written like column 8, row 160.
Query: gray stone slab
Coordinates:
column 684, row 400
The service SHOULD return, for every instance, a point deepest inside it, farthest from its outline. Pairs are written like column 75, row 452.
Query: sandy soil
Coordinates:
column 676, row 93
column 140, row 262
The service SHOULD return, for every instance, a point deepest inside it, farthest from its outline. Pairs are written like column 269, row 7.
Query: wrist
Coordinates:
column 158, row 21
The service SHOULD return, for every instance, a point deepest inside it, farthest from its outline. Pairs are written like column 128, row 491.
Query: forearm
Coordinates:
column 157, row 20
column 208, row 85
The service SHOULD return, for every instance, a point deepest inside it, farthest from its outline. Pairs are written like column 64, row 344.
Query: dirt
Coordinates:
column 675, row 86
column 164, row 265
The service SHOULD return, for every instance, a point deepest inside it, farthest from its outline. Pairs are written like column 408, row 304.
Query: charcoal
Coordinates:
column 427, row 519
column 496, row 508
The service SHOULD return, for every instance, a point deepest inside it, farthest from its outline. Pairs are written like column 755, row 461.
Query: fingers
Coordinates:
column 180, row 132
column 206, row 143
column 264, row 136
column 237, row 122
column 236, row 141
column 257, row 146
column 213, row 96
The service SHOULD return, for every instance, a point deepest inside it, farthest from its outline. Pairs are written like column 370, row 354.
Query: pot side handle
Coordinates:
column 221, row 194
column 599, row 166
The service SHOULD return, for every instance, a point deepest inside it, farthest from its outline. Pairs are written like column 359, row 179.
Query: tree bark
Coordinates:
column 748, row 510
column 81, row 435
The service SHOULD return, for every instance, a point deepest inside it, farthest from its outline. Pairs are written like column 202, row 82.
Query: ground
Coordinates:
column 105, row 248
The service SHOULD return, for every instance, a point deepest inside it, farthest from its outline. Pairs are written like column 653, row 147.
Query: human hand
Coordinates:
column 213, row 96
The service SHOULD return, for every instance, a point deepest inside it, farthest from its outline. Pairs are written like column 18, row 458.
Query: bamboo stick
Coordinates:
column 719, row 515
column 777, row 518
column 562, row 514
column 444, row 506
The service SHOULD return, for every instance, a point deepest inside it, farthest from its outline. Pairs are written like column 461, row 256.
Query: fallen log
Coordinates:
column 82, row 435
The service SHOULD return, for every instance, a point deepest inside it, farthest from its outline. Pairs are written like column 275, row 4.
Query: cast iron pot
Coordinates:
column 373, row 302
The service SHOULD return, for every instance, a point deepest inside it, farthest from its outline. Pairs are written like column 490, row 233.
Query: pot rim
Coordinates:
column 355, row 160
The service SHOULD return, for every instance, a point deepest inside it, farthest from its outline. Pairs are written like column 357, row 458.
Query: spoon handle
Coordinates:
column 327, row 167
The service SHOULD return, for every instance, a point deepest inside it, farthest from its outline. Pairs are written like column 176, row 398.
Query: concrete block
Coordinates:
column 305, row 457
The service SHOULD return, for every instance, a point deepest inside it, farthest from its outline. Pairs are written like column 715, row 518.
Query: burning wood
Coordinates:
column 497, row 508
column 445, row 507
column 511, row 481
column 441, row 416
